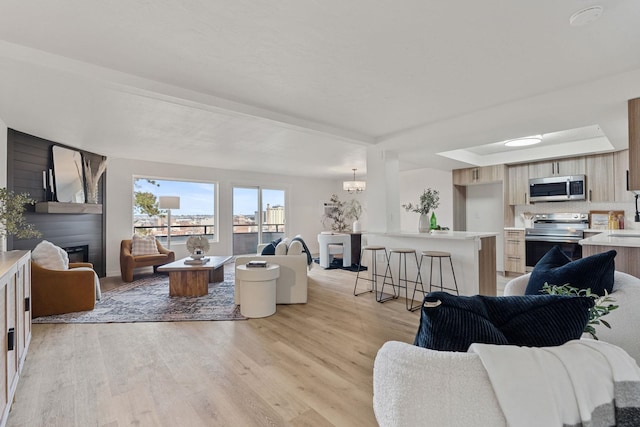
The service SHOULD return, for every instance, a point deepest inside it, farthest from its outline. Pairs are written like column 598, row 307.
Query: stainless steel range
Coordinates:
column 550, row 229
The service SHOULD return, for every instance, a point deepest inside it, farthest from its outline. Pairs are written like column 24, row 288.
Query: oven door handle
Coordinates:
column 552, row 239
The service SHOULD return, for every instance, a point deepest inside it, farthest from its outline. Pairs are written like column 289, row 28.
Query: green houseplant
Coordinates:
column 337, row 216
column 429, row 200
column 12, row 221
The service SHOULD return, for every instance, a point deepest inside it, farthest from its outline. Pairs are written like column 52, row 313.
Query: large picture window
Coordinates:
column 258, row 217
column 195, row 216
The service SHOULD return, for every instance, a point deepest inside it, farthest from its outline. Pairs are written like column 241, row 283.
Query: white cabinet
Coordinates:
column 15, row 297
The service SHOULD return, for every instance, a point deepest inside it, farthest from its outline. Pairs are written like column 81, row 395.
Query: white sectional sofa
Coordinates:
column 415, row 386
column 291, row 286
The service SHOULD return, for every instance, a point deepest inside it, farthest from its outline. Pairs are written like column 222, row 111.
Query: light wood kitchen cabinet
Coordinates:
column 15, row 321
column 518, row 184
column 561, row 167
column 620, row 167
column 600, row 177
column 514, row 251
column 479, row 175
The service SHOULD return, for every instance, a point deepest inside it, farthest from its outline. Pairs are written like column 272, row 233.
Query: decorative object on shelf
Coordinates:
column 354, row 186
column 430, row 199
column 354, row 210
column 336, row 216
column 92, row 179
column 12, row 221
column 527, row 218
column 197, row 246
column 168, row 203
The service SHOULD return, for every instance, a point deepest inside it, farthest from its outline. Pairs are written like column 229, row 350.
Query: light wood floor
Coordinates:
column 307, row 365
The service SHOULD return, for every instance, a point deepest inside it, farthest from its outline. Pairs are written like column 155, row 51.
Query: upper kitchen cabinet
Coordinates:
column 600, row 177
column 571, row 166
column 479, row 175
column 621, row 166
column 518, row 184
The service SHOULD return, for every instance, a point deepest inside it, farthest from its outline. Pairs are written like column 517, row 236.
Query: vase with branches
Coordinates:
column 92, row 178
column 336, row 217
column 429, row 200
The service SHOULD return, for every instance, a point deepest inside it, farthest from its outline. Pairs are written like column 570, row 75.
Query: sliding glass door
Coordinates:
column 258, row 217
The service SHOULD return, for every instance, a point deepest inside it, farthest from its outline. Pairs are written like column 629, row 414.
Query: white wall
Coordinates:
column 413, row 183
column 484, row 213
column 3, row 167
column 305, row 198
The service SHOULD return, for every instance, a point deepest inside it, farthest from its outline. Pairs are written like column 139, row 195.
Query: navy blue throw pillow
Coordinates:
column 453, row 323
column 270, row 249
column 594, row 272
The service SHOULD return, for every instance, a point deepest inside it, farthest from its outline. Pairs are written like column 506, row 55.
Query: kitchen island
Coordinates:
column 473, row 255
column 625, row 242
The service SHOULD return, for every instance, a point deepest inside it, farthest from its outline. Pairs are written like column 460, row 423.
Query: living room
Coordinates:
column 290, row 96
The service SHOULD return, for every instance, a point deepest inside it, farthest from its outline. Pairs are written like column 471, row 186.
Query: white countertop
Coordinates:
column 441, row 234
column 623, row 238
column 515, row 228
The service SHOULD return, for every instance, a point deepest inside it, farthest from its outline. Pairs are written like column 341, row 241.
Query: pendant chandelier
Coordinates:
column 354, row 186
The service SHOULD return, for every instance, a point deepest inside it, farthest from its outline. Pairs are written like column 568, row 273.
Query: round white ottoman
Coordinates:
column 258, row 289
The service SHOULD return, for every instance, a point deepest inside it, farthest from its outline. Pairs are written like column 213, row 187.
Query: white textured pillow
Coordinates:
column 49, row 256
column 143, row 245
column 295, row 248
column 281, row 248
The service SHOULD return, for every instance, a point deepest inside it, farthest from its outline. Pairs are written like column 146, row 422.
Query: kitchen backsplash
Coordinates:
column 550, row 207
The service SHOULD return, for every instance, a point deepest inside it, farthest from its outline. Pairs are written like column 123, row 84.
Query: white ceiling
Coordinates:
column 248, row 84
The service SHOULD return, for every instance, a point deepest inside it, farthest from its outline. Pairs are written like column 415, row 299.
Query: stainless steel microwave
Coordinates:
column 557, row 188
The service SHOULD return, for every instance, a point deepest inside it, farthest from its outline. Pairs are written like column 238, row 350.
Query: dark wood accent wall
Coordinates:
column 27, row 157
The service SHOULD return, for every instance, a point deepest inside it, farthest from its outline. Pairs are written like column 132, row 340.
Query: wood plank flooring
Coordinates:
column 307, row 365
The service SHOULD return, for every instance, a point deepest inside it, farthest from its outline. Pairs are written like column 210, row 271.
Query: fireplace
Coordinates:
column 78, row 253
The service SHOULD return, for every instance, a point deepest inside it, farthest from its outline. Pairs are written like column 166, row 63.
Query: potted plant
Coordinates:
column 430, row 199
column 12, row 221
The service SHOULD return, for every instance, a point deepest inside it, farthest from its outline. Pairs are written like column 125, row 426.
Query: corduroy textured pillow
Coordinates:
column 143, row 245
column 594, row 272
column 270, row 249
column 453, row 323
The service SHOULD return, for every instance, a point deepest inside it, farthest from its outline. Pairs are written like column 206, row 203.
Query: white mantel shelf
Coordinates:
column 68, row 208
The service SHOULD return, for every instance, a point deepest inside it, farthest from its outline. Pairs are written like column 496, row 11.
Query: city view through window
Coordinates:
column 196, row 215
column 251, row 224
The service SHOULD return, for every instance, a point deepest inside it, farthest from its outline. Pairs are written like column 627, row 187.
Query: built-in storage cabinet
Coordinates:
column 514, row 251
column 15, row 321
column 571, row 166
column 479, row 175
column 518, row 184
column 621, row 168
column 600, row 177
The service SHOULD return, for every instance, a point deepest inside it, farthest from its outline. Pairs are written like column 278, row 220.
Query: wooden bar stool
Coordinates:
column 374, row 271
column 402, row 261
column 439, row 255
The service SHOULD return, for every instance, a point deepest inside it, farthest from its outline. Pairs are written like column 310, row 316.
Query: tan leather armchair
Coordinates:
column 62, row 291
column 128, row 261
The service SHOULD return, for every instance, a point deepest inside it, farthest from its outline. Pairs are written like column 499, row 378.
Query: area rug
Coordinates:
column 148, row 300
column 336, row 263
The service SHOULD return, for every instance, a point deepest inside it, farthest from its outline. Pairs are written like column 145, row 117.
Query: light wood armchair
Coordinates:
column 62, row 291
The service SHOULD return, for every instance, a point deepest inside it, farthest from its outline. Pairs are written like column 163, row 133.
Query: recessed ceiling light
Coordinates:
column 586, row 16
column 522, row 142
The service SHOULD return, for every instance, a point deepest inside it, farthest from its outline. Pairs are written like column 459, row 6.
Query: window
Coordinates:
column 252, row 225
column 196, row 215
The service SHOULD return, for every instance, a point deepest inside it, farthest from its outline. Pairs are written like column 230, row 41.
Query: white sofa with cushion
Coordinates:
column 291, row 286
column 415, row 386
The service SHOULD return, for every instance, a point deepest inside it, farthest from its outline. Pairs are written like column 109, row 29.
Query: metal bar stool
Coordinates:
column 439, row 255
column 402, row 261
column 374, row 272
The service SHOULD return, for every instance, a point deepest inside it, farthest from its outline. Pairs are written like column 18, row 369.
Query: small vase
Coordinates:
column 423, row 223
column 356, row 226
